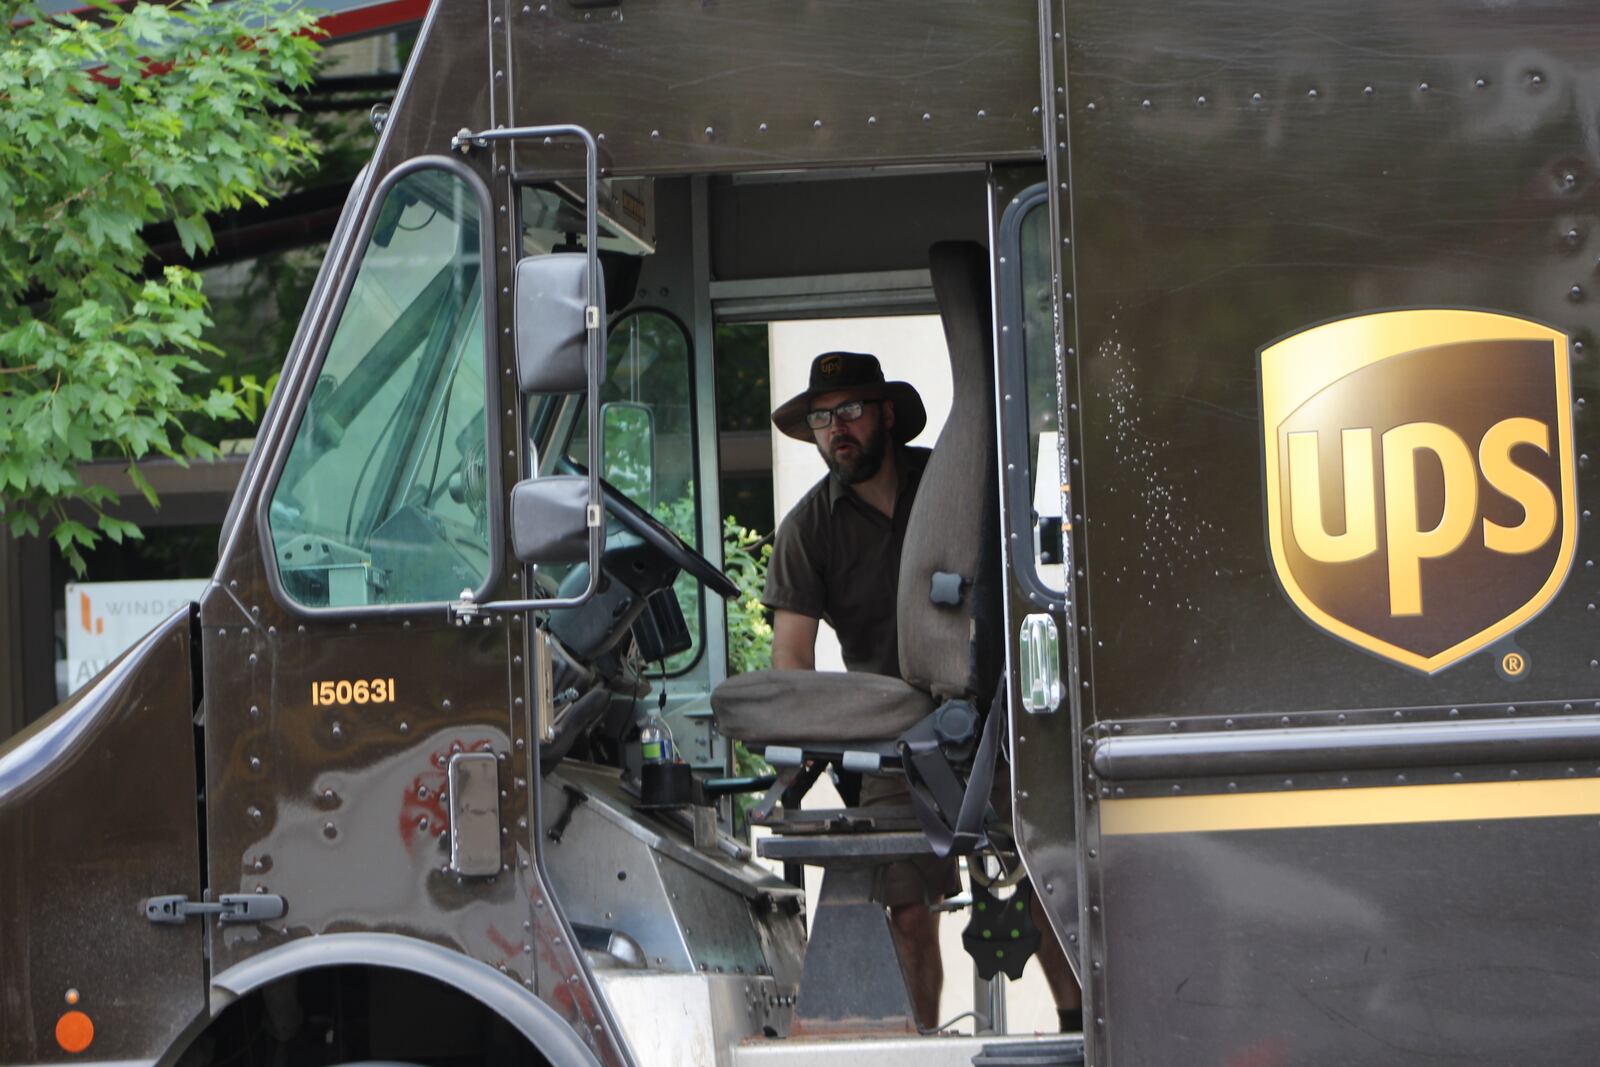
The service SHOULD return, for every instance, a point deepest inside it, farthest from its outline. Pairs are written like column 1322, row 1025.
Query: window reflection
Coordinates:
column 383, row 499
column 1044, row 453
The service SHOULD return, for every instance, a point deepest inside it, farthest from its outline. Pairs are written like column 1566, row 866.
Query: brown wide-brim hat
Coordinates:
column 833, row 372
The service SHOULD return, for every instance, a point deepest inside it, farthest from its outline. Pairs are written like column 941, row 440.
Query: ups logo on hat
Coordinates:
column 828, row 366
column 1420, row 484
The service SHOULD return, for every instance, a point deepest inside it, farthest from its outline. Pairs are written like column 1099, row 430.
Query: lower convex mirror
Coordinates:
column 549, row 519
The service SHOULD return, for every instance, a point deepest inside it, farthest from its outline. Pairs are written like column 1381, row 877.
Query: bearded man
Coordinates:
column 836, row 557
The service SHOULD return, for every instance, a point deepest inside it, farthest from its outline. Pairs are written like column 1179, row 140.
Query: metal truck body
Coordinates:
column 1303, row 716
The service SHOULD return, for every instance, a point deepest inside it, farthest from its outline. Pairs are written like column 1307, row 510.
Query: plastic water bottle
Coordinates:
column 655, row 741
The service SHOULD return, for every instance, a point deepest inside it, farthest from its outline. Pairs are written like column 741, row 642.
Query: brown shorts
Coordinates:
column 916, row 879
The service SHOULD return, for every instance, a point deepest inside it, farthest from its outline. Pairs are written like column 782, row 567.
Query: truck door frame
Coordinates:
column 1051, row 786
column 249, row 625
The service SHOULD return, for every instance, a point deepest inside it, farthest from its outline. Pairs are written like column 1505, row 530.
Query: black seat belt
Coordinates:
column 936, row 791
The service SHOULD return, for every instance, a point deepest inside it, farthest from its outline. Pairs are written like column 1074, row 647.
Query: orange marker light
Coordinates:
column 74, row 1031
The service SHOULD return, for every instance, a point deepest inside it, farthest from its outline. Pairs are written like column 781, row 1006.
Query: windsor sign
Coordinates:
column 105, row 619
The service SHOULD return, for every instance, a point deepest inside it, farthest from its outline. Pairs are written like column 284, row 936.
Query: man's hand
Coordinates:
column 794, row 641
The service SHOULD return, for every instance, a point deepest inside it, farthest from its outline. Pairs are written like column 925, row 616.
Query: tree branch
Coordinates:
column 55, row 212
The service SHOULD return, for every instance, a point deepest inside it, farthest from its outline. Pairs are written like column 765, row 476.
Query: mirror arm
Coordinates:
column 464, row 142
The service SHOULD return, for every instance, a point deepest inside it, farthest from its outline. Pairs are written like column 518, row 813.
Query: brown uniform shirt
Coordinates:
column 837, row 558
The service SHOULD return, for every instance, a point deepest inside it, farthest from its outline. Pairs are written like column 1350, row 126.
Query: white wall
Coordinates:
column 911, row 349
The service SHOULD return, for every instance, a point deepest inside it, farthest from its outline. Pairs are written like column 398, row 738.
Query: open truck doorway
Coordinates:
column 910, row 348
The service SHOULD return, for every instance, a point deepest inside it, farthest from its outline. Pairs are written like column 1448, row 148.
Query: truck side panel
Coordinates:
column 97, row 814
column 1242, row 172
column 1467, row 942
column 1325, row 870
column 677, row 87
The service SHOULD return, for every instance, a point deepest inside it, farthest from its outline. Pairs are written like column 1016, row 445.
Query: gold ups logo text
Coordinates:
column 1421, row 497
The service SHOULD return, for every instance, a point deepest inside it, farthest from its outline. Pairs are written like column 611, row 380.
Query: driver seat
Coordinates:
column 949, row 609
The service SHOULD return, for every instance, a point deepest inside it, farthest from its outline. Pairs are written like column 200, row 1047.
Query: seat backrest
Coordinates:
column 955, row 650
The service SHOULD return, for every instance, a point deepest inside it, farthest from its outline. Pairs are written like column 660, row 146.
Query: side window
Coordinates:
column 383, row 498
column 1044, row 457
column 647, row 451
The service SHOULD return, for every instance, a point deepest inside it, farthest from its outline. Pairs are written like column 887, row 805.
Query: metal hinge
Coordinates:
column 229, row 908
column 466, row 611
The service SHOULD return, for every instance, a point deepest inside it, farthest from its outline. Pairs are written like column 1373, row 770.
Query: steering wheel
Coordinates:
column 650, row 530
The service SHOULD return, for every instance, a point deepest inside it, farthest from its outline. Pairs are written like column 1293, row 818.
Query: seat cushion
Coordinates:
column 797, row 707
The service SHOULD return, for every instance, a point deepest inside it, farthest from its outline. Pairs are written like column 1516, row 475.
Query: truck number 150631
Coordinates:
column 361, row 691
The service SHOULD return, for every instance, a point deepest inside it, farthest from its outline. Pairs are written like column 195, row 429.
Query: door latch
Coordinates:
column 228, row 908
column 1040, row 655
column 474, row 783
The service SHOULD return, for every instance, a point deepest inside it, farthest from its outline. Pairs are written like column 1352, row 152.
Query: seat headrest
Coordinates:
column 952, row 545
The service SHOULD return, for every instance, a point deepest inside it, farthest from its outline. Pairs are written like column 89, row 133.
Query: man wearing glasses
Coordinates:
column 836, row 557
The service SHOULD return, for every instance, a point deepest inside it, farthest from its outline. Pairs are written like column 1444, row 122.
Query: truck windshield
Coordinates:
column 383, row 499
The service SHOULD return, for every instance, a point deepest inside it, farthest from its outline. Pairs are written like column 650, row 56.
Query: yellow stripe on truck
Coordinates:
column 1381, row 806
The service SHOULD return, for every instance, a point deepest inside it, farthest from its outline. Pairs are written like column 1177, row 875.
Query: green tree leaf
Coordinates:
column 147, row 114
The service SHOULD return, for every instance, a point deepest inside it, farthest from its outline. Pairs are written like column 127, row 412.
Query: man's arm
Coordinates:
column 794, row 641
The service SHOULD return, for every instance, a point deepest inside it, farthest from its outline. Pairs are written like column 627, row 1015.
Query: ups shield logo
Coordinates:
column 1421, row 494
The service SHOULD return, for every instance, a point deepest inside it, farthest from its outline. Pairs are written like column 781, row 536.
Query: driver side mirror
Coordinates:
column 550, row 515
column 553, row 296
